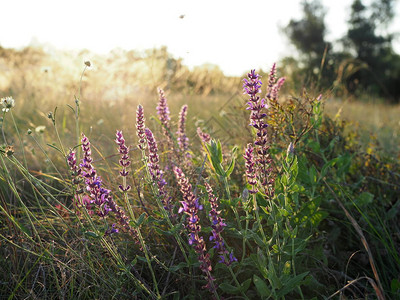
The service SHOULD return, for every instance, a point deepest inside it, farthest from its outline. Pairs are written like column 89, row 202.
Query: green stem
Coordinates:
column 228, row 194
column 255, row 208
column 2, row 128
column 245, row 235
column 19, row 138
column 142, row 243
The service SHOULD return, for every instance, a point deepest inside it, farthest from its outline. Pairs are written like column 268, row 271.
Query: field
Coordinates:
column 132, row 177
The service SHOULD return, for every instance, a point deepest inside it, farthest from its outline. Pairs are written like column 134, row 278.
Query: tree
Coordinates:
column 373, row 49
column 308, row 36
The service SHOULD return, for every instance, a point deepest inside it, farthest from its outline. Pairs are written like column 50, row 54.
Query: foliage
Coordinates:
column 300, row 212
column 365, row 51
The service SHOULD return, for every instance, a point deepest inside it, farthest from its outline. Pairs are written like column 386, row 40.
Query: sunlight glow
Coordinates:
column 208, row 31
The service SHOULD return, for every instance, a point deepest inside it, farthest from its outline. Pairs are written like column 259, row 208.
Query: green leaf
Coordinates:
column 91, row 234
column 133, row 262
column 327, row 166
column 395, row 286
column 71, row 108
column 228, row 288
column 315, row 146
column 245, row 285
column 219, row 149
column 393, row 211
column 178, row 267
column 291, row 284
column 294, row 168
column 140, row 219
column 230, row 168
column 364, row 199
column 56, row 148
column 276, row 282
column 261, row 287
column 318, row 217
column 312, row 173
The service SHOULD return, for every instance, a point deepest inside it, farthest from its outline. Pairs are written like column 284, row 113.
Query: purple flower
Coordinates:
column 124, row 162
column 163, row 115
column 140, row 126
column 155, row 172
column 76, row 177
column 217, row 225
column 256, row 105
column 183, row 141
column 250, row 170
column 271, row 80
column 190, row 206
column 111, row 230
column 276, row 87
column 100, row 196
column 204, row 137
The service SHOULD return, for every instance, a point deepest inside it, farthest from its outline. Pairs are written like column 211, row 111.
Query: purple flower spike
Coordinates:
column 100, row 196
column 262, row 161
column 140, row 126
column 271, row 80
column 163, row 115
column 155, row 172
column 183, row 141
column 75, row 173
column 204, row 137
column 275, row 89
column 162, row 109
column 217, row 226
column 191, row 207
column 124, row 162
column 250, row 170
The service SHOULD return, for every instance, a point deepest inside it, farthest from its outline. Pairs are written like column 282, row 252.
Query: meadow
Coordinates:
column 129, row 176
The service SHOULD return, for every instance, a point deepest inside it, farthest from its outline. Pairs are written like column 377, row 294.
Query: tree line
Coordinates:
column 361, row 62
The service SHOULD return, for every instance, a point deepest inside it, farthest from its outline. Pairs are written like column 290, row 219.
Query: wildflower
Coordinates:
column 111, row 230
column 40, row 129
column 252, row 86
column 71, row 160
column 7, row 103
column 124, row 162
column 183, row 141
column 217, row 228
column 204, row 137
column 275, row 89
column 9, row 151
column 101, row 196
column 140, row 127
column 88, row 64
column 191, row 206
column 163, row 113
column 76, row 172
column 274, row 85
column 250, row 171
column 86, row 202
column 155, row 172
column 93, row 182
column 271, row 80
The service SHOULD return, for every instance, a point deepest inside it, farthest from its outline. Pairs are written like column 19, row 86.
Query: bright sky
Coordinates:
column 236, row 35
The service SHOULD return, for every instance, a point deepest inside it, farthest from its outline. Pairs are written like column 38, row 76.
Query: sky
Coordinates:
column 235, row 35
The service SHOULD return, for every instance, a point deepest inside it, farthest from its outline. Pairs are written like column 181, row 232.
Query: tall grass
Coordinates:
column 163, row 200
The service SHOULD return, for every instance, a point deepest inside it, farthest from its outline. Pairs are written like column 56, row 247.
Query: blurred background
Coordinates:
column 198, row 51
